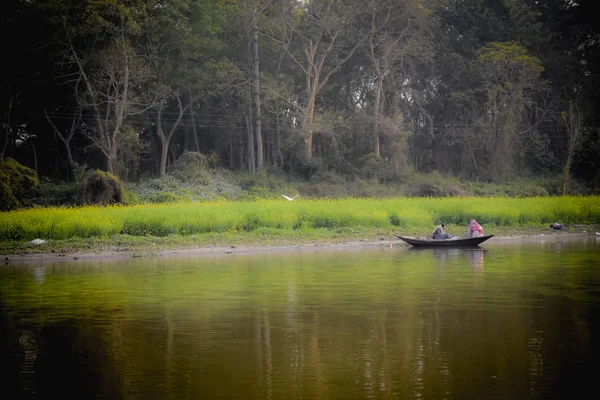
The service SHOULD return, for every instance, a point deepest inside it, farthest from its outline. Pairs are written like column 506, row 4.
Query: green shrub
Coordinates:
column 102, row 188
column 320, row 190
column 190, row 167
column 220, row 184
column 130, row 197
column 263, row 185
column 18, row 184
column 265, row 179
column 308, row 167
column 375, row 167
column 328, row 177
column 56, row 194
column 432, row 185
column 165, row 197
column 64, row 193
column 516, row 188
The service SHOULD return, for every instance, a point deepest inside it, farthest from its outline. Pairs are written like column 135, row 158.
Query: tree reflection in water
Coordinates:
column 392, row 323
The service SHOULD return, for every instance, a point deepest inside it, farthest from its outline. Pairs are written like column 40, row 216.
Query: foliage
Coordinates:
column 471, row 88
column 431, row 185
column 190, row 167
column 394, row 213
column 58, row 194
column 213, row 185
column 309, row 167
column 17, row 184
column 102, row 188
column 373, row 166
column 130, row 197
column 499, row 55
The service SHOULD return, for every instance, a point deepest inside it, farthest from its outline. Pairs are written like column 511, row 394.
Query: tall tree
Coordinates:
column 575, row 130
column 324, row 42
column 112, row 98
column 165, row 35
column 256, row 11
column 397, row 38
column 98, row 39
column 510, row 79
column 67, row 137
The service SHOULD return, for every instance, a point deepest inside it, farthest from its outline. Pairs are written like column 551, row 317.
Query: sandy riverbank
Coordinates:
column 213, row 251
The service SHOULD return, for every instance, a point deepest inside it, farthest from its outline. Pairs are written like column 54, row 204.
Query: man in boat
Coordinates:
column 440, row 232
column 475, row 230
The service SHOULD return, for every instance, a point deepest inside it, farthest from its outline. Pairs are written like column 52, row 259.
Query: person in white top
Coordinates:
column 440, row 232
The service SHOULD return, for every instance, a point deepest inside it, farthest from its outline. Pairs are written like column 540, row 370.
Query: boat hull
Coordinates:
column 469, row 242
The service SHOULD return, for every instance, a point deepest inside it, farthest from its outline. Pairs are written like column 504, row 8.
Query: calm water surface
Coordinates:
column 517, row 321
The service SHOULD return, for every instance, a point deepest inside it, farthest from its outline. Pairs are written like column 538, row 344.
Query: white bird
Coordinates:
column 290, row 198
column 38, row 241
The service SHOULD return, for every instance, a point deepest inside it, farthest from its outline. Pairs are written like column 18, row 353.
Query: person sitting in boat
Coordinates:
column 440, row 232
column 475, row 230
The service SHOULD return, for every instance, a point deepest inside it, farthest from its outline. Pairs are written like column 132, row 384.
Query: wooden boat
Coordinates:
column 467, row 242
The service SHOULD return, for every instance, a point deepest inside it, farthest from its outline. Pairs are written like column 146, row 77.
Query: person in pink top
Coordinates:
column 475, row 230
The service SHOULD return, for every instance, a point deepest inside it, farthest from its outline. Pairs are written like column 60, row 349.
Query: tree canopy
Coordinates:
column 476, row 89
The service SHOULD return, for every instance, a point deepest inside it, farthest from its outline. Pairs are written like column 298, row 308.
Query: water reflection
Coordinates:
column 390, row 324
column 455, row 256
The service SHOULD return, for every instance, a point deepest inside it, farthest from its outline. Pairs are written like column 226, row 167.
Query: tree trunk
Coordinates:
column 279, row 156
column 69, row 156
column 310, row 112
column 173, row 155
column 376, row 116
column 231, row 152
column 164, row 143
column 166, row 139
column 111, row 162
column 250, row 159
column 258, row 131
column 35, row 162
column 164, row 155
column 309, row 142
column 65, row 139
column 195, row 132
column 7, row 130
column 566, row 175
column 241, row 157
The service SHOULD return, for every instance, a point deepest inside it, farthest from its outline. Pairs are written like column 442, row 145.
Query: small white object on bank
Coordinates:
column 38, row 241
column 290, row 198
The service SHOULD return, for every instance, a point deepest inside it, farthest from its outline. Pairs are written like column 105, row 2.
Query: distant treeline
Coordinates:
column 475, row 89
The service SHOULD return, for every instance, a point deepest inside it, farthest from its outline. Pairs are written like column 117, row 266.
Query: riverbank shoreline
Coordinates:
column 119, row 248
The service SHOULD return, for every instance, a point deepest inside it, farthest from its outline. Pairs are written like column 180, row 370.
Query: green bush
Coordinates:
column 516, row 188
column 18, row 184
column 130, row 197
column 320, row 190
column 220, row 184
column 56, row 194
column 102, row 188
column 375, row 167
column 308, row 167
column 262, row 185
column 329, row 177
column 432, row 185
column 165, row 197
column 190, row 167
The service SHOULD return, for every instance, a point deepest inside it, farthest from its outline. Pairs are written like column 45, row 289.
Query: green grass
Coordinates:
column 278, row 216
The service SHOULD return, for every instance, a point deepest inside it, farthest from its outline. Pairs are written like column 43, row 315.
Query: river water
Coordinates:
column 508, row 321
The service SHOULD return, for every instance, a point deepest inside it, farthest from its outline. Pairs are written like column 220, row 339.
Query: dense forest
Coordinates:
column 480, row 90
